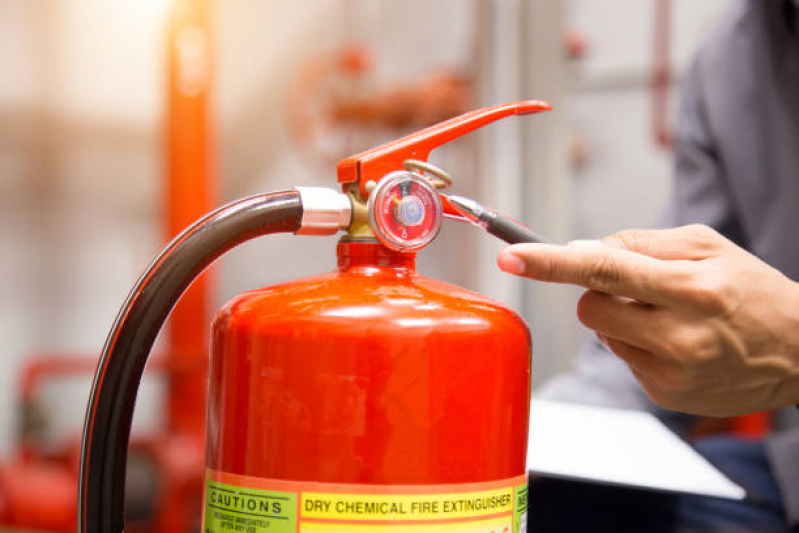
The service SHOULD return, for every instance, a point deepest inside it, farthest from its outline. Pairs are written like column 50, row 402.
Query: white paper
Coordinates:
column 621, row 447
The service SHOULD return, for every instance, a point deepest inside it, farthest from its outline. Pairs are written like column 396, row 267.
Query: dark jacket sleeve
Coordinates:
column 701, row 193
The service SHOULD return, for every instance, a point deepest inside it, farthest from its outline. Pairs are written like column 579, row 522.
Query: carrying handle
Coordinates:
column 373, row 164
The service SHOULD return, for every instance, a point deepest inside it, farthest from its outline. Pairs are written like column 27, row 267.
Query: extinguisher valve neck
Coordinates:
column 324, row 211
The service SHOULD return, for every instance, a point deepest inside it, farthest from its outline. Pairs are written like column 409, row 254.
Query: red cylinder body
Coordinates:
column 371, row 374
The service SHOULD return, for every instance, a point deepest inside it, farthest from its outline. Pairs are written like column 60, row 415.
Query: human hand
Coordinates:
column 706, row 327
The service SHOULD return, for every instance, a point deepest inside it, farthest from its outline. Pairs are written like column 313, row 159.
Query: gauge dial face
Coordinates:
column 405, row 211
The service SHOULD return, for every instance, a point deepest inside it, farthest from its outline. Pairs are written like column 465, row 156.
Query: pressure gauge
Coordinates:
column 404, row 211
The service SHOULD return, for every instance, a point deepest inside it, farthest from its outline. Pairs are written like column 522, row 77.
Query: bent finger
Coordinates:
column 641, row 325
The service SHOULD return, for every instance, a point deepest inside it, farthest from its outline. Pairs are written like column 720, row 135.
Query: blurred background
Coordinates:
column 117, row 119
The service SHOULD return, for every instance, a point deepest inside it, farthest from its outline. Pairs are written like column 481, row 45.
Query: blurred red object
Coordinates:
column 39, row 489
column 39, row 496
column 576, row 44
column 334, row 109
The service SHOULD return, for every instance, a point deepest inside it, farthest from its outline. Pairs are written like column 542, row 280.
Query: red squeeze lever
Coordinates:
column 373, row 164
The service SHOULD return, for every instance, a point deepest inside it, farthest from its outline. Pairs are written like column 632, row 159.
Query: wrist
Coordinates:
column 783, row 324
column 792, row 345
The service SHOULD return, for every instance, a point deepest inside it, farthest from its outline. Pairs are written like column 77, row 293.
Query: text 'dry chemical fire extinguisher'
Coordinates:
column 370, row 398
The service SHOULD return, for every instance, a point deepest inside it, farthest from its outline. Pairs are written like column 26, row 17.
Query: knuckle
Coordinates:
column 702, row 230
column 634, row 239
column 705, row 350
column 711, row 292
column 603, row 273
column 680, row 343
column 682, row 277
column 690, row 352
column 692, row 348
column 705, row 238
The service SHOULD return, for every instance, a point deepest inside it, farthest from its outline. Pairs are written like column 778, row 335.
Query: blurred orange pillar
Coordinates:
column 189, row 195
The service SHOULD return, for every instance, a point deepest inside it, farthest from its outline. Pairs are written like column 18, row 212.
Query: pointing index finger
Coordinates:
column 593, row 266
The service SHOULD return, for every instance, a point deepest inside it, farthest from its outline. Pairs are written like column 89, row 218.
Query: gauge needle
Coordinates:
column 405, row 188
column 494, row 222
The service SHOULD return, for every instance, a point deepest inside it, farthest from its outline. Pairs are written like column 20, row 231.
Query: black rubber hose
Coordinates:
column 507, row 229
column 110, row 411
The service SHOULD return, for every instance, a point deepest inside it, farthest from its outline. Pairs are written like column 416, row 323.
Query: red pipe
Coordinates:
column 661, row 73
column 44, row 366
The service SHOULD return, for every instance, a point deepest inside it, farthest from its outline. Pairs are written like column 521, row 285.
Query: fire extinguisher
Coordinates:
column 368, row 398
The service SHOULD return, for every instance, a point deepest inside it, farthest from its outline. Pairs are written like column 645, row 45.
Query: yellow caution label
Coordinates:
column 256, row 505
column 402, row 507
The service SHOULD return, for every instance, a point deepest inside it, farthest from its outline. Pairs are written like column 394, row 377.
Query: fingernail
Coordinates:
column 512, row 264
column 587, row 243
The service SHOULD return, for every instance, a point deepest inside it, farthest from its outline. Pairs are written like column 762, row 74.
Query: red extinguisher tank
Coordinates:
column 368, row 399
column 372, row 374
